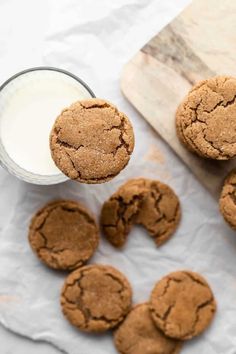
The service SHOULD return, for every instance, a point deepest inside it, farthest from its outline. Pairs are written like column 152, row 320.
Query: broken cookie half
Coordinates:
column 149, row 203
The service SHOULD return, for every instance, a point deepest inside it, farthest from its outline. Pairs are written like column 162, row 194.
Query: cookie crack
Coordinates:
column 54, row 251
column 157, row 201
column 198, row 309
column 197, row 119
column 96, row 105
column 195, row 280
column 165, row 316
column 233, row 197
column 116, row 280
column 168, row 283
column 67, row 145
column 73, row 165
column 121, row 137
column 123, row 208
column 79, row 212
column 79, row 303
column 217, row 105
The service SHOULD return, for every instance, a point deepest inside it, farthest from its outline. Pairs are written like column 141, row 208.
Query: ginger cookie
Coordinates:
column 139, row 335
column 91, row 141
column 96, row 298
column 182, row 305
column 149, row 203
column 63, row 234
column 206, row 119
column 228, row 199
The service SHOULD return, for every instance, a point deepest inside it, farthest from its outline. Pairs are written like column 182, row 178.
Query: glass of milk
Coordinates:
column 30, row 101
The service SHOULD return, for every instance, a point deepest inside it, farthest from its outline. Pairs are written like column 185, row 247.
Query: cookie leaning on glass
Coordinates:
column 206, row 119
column 91, row 141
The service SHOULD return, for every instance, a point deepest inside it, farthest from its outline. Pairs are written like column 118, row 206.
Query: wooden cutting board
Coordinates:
column 199, row 43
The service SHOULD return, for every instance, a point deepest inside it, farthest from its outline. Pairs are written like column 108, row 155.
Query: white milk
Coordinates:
column 29, row 106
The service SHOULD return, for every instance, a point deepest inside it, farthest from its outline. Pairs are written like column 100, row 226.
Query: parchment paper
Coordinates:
column 93, row 39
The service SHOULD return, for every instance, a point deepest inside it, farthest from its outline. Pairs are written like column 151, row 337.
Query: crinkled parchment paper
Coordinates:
column 94, row 39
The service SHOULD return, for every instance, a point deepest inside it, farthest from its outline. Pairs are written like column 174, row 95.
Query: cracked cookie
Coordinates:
column 182, row 305
column 149, row 203
column 227, row 200
column 206, row 119
column 63, row 234
column 96, row 298
column 139, row 335
column 91, row 141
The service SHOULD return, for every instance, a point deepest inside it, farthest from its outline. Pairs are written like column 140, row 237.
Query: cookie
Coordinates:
column 227, row 200
column 149, row 203
column 139, row 335
column 91, row 141
column 206, row 119
column 182, row 305
column 63, row 234
column 96, row 298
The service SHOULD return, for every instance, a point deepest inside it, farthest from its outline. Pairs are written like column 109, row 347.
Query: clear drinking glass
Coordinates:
column 14, row 83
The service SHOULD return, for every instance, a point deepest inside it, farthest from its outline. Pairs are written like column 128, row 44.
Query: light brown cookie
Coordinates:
column 141, row 201
column 206, row 119
column 182, row 305
column 96, row 298
column 227, row 200
column 139, row 335
column 91, row 141
column 63, row 234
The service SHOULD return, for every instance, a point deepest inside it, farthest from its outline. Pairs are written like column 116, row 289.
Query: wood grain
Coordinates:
column 199, row 43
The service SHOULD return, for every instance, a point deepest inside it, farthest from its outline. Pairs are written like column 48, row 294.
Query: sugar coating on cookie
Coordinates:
column 96, row 298
column 182, row 305
column 227, row 200
column 91, row 141
column 139, row 335
column 149, row 203
column 63, row 234
column 206, row 119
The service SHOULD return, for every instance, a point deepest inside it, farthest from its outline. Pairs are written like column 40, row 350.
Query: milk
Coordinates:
column 29, row 105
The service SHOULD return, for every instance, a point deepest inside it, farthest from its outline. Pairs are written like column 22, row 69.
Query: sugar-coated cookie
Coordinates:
column 63, row 234
column 91, row 141
column 206, row 119
column 96, row 298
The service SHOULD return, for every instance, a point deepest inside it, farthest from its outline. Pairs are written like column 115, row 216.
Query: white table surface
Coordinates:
column 12, row 343
column 24, row 28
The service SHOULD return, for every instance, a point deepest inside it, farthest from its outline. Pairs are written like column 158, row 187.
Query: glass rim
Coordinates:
column 7, row 162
